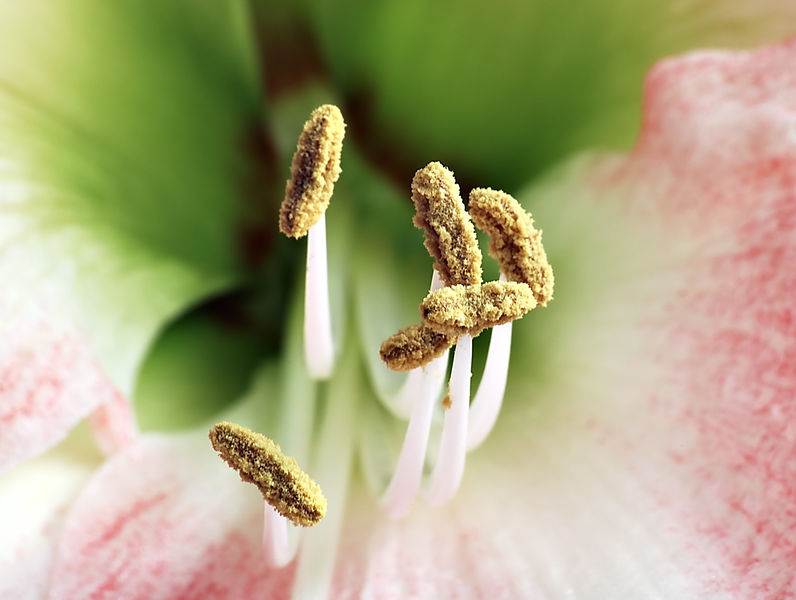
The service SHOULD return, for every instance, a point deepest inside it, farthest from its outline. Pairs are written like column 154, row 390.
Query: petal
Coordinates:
column 182, row 527
column 727, row 185
column 34, row 499
column 48, row 382
column 566, row 526
column 689, row 339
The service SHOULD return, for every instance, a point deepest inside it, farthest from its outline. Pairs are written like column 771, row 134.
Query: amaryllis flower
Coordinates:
column 645, row 446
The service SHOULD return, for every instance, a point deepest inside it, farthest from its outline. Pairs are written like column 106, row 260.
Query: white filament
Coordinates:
column 449, row 468
column 276, row 545
column 405, row 481
column 318, row 342
column 489, row 397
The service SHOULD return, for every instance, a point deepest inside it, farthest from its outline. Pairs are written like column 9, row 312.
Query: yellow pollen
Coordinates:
column 450, row 235
column 413, row 347
column 315, row 169
column 259, row 460
column 469, row 309
column 514, row 242
column 446, row 401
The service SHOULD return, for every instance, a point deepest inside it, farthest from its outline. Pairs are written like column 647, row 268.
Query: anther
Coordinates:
column 469, row 309
column 514, row 242
column 450, row 235
column 260, row 461
column 314, row 171
column 414, row 346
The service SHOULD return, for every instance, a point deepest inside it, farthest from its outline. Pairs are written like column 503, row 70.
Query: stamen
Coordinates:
column 315, row 169
column 276, row 545
column 413, row 347
column 449, row 468
column 489, row 397
column 318, row 341
column 260, row 461
column 460, row 309
column 514, row 242
column 450, row 236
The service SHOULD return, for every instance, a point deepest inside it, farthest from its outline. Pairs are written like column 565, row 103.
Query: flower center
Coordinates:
column 458, row 307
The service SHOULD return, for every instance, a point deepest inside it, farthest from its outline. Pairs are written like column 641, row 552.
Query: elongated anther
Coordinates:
column 450, row 235
column 469, row 309
column 413, row 347
column 315, row 169
column 514, row 242
column 260, row 461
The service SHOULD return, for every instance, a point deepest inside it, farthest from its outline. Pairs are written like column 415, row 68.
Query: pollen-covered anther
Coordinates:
column 414, row 346
column 314, row 171
column 514, row 242
column 469, row 309
column 259, row 460
column 450, row 235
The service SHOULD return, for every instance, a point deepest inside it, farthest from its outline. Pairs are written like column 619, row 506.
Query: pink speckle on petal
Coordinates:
column 164, row 518
column 719, row 156
column 113, row 424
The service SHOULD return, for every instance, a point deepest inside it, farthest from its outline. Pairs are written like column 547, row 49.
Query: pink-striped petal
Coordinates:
column 165, row 518
column 34, row 500
column 719, row 157
column 48, row 382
